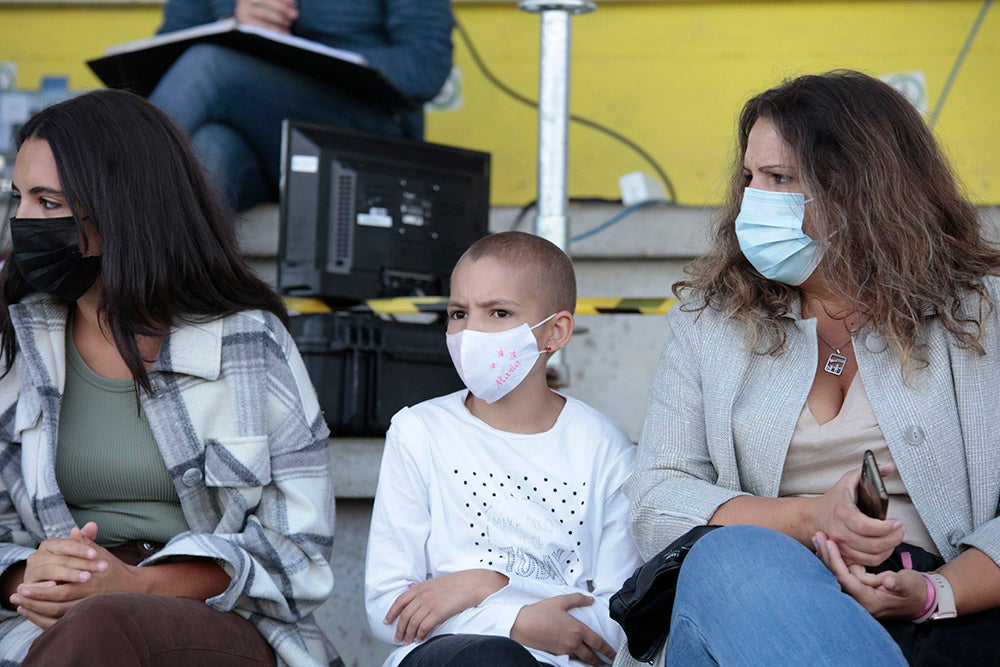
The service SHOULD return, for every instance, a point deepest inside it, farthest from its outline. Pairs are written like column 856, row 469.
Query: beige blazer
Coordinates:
column 720, row 418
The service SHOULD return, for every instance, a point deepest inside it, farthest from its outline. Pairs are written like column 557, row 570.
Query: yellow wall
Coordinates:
column 670, row 75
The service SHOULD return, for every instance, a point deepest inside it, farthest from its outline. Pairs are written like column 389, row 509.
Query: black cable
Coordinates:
column 573, row 117
column 527, row 208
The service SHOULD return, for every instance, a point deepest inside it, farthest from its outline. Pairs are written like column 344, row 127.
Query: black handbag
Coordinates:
column 644, row 604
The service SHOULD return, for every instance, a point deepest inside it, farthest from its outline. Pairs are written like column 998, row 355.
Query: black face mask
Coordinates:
column 47, row 255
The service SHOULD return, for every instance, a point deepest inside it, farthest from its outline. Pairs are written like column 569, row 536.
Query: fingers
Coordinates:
column 406, row 626
column 906, row 584
column 597, row 644
column 863, row 575
column 850, row 479
column 70, row 547
column 415, row 622
column 584, row 654
column 869, row 551
column 425, row 604
column 849, row 583
column 48, row 566
column 44, row 622
column 891, row 582
column 425, row 625
column 44, row 603
column 830, row 553
column 274, row 14
column 869, row 541
column 85, row 534
column 399, row 605
column 590, row 644
column 835, row 561
column 877, row 528
column 571, row 600
column 50, row 591
column 407, row 612
column 48, row 608
column 17, row 597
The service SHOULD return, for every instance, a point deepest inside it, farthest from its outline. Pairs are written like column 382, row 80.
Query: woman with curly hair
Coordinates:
column 848, row 304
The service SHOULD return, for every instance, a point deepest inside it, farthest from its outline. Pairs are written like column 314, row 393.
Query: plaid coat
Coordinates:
column 239, row 427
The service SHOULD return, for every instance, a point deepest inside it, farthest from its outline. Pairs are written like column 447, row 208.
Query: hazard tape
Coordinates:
column 438, row 304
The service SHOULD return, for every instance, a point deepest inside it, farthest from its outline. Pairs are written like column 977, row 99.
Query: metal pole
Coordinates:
column 551, row 221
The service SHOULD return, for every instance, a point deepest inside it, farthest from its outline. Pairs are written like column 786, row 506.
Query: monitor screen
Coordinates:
column 371, row 217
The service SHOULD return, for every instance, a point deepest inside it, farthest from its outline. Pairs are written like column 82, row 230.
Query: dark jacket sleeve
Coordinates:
column 181, row 14
column 417, row 58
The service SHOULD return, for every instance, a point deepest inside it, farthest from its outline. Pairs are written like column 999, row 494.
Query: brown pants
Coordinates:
column 149, row 630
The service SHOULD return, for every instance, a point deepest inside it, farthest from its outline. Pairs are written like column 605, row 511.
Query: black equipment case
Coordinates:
column 365, row 368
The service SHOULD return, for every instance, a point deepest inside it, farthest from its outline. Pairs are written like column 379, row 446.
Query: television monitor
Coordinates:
column 365, row 217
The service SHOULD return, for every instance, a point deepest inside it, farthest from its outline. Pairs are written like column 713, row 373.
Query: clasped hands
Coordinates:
column 277, row 15
column 64, row 571
column 545, row 625
column 847, row 541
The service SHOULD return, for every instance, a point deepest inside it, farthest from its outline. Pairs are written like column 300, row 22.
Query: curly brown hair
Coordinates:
column 901, row 243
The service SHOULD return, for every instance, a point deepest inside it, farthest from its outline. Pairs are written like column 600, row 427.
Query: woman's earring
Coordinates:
column 548, row 348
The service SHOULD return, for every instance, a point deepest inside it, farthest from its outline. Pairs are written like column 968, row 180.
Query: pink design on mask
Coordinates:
column 510, row 371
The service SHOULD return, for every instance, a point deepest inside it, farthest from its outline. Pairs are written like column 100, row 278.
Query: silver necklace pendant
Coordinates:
column 835, row 363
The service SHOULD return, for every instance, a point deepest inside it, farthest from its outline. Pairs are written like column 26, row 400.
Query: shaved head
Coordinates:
column 547, row 267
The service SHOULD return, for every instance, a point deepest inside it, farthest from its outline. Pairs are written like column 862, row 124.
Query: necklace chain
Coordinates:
column 835, row 348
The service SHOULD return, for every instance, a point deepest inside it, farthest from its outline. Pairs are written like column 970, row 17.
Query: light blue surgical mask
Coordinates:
column 769, row 229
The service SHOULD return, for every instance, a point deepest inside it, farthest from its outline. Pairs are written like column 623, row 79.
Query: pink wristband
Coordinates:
column 930, row 605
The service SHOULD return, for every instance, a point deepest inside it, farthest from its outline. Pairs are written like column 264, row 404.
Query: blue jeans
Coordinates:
column 232, row 104
column 752, row 596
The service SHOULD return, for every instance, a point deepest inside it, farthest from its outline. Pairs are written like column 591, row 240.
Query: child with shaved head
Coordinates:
column 500, row 528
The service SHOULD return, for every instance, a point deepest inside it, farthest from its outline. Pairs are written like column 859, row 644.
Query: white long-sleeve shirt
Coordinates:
column 546, row 509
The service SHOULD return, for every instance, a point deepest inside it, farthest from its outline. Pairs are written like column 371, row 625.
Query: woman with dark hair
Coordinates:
column 164, row 472
column 848, row 304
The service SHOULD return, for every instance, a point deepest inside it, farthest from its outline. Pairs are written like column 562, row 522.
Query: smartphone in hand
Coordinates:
column 872, row 497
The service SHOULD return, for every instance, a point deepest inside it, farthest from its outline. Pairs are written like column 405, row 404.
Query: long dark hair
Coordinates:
column 170, row 251
column 902, row 244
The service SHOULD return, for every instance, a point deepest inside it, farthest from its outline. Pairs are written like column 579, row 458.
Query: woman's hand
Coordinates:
column 277, row 15
column 64, row 571
column 66, row 560
column 548, row 626
column 885, row 595
column 427, row 604
column 860, row 539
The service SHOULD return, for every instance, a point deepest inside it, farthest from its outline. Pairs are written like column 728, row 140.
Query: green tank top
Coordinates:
column 108, row 466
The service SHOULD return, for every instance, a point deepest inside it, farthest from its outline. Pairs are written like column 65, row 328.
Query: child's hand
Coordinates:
column 426, row 604
column 548, row 626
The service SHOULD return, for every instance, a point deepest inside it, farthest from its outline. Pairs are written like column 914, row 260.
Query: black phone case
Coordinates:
column 872, row 497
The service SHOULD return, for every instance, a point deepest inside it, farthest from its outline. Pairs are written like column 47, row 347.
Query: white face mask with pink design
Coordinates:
column 492, row 364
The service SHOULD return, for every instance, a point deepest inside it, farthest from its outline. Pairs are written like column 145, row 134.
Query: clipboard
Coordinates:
column 138, row 65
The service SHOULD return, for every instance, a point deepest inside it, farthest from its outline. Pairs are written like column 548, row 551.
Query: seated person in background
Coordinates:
column 850, row 302
column 500, row 526
column 232, row 103
column 165, row 491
